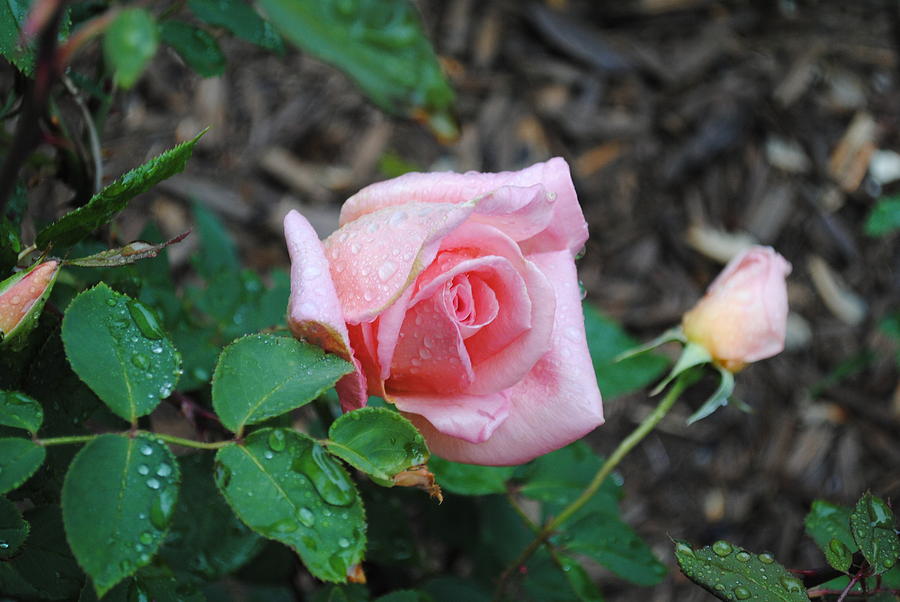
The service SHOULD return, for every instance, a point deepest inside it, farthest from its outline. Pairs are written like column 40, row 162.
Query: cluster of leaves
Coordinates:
column 860, row 544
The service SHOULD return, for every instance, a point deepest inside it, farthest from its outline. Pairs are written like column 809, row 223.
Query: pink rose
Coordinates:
column 456, row 297
column 19, row 293
column 743, row 315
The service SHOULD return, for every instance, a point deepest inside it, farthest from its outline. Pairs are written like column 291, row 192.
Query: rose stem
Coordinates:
column 611, row 462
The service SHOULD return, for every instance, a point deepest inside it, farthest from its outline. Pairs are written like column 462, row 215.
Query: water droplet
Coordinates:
column 285, row 525
column 145, row 320
column 766, row 558
column 326, row 475
column 888, row 562
column 140, row 361
column 306, row 517
column 424, row 353
column 719, row 587
column 386, row 270
column 741, row 593
column 161, row 509
column 163, row 470
column 156, row 349
column 397, row 218
column 146, row 450
column 146, row 538
column 354, row 248
column 111, row 302
column 3, row 545
column 143, row 469
column 344, row 542
column 791, row 584
column 742, row 556
column 223, row 475
column 309, row 542
column 276, row 440
column 722, row 548
column 268, row 455
column 880, row 514
column 153, row 483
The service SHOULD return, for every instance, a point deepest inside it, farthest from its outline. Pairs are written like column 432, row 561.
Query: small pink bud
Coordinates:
column 743, row 316
column 20, row 296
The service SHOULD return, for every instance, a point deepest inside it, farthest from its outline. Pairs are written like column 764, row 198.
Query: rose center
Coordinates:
column 471, row 301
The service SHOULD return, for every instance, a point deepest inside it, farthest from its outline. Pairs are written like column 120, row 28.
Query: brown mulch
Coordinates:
column 690, row 126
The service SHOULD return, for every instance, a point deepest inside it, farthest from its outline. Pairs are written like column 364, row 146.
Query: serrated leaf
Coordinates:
column 13, row 14
column 377, row 441
column 117, row 347
column 100, row 209
column 19, row 458
column 838, row 556
column 378, row 43
column 470, row 479
column 45, row 553
column 20, row 411
column 150, row 584
column 13, row 529
column 132, row 483
column 206, row 540
column 731, row 573
column 607, row 342
column 239, row 18
column 261, row 376
column 872, row 525
column 129, row 43
column 130, row 253
column 285, row 486
column 198, row 49
column 826, row 521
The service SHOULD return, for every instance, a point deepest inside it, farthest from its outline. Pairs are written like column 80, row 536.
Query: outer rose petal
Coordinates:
column 555, row 404
column 472, row 418
column 314, row 312
column 565, row 230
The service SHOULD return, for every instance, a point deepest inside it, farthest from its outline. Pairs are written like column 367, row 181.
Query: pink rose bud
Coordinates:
column 21, row 292
column 743, row 315
column 456, row 297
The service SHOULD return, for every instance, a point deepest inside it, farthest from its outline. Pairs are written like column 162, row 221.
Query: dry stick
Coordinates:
column 611, row 462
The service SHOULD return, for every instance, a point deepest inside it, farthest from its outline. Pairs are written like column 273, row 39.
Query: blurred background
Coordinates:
column 693, row 128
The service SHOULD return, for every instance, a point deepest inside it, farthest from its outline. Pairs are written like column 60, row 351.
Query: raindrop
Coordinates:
column 161, row 509
column 386, row 270
column 276, row 440
column 285, row 525
column 268, row 455
column 163, row 470
column 111, row 302
column 145, row 320
column 326, row 476
column 791, row 584
column 397, row 218
column 143, row 469
column 3, row 545
column 140, row 361
column 722, row 548
column 306, row 517
column 223, row 475
column 743, row 556
column 146, row 450
column 156, row 349
column 741, row 593
column 880, row 513
column 153, row 483
column 888, row 562
column 354, row 248
column 424, row 353
column 766, row 558
column 344, row 542
column 146, row 538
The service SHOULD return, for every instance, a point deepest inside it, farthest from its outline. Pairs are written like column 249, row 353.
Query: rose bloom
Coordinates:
column 456, row 298
column 17, row 300
column 743, row 316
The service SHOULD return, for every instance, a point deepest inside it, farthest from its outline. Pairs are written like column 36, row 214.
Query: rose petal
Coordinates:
column 555, row 404
column 376, row 257
column 314, row 312
column 565, row 229
column 468, row 418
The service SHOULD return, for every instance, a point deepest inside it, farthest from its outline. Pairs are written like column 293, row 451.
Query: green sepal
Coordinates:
column 719, row 398
column 692, row 355
column 15, row 339
column 673, row 334
column 377, row 441
column 125, row 255
column 873, row 527
column 730, row 572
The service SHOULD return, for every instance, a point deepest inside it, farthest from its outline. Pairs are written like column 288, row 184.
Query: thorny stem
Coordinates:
column 167, row 438
column 606, row 469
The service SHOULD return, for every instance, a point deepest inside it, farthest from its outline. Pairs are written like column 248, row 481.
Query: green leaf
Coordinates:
column 261, row 376
column 378, row 43
column 130, row 253
column 884, row 218
column 45, row 553
column 100, row 209
column 838, row 555
column 873, row 527
column 579, row 580
column 378, row 442
column 470, row 479
column 217, row 254
column 239, row 18
column 19, row 458
column 117, row 347
column 827, row 521
column 731, row 573
column 606, row 342
column 405, row 595
column 13, row 529
column 20, row 411
column 560, row 477
column 13, row 14
column 129, row 43
column 151, row 583
column 349, row 592
column 286, row 487
column 206, row 539
column 452, row 589
column 118, row 500
column 198, row 49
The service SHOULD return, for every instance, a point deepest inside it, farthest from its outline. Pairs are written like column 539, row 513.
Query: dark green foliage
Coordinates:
column 198, row 49
column 129, row 44
column 239, row 18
